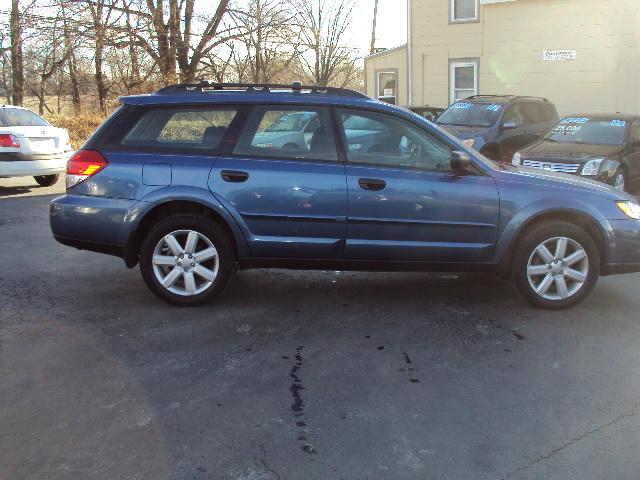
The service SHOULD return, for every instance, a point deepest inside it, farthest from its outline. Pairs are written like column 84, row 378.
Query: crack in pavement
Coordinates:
column 572, row 442
column 265, row 464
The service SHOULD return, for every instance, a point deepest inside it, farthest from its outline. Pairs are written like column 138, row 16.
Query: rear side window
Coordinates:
column 288, row 132
column 198, row 129
column 16, row 117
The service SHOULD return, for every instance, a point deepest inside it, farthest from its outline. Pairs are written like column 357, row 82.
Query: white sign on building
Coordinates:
column 556, row 55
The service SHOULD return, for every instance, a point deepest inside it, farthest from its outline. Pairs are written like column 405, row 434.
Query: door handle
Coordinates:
column 234, row 176
column 374, row 184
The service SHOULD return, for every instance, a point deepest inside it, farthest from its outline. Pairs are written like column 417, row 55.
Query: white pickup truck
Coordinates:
column 31, row 147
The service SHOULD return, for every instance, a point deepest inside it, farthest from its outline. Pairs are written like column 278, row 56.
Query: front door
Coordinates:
column 288, row 193
column 405, row 203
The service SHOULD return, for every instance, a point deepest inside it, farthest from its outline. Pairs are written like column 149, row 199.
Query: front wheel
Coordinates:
column 46, row 180
column 187, row 259
column 556, row 265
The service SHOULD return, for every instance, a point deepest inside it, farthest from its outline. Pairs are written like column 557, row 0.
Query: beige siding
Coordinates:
column 394, row 59
column 509, row 41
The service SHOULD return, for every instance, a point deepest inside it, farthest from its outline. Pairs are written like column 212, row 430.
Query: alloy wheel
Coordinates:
column 558, row 268
column 185, row 262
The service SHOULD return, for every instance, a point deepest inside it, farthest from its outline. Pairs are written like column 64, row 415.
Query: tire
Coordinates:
column 620, row 180
column 543, row 288
column 46, row 180
column 188, row 285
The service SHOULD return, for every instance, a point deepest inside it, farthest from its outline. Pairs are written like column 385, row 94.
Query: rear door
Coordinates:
column 290, row 198
column 405, row 203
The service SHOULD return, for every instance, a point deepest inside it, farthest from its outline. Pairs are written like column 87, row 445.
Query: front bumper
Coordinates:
column 623, row 247
column 27, row 165
column 98, row 224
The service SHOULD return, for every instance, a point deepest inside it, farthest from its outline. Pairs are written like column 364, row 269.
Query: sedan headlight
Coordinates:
column 469, row 142
column 517, row 159
column 592, row 167
column 630, row 209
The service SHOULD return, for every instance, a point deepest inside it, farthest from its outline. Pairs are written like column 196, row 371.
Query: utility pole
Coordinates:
column 372, row 50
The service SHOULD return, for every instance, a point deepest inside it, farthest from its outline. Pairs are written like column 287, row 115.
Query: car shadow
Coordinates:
column 14, row 191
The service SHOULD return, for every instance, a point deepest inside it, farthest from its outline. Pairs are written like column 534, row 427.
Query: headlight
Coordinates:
column 469, row 143
column 592, row 167
column 630, row 209
column 517, row 159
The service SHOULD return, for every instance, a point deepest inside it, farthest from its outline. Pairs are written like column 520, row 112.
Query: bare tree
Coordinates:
column 324, row 27
column 171, row 39
column 269, row 42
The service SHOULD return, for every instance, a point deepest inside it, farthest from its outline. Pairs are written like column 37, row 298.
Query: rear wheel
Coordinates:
column 556, row 265
column 187, row 259
column 46, row 180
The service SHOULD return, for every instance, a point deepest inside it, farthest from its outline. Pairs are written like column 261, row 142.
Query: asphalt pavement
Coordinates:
column 303, row 375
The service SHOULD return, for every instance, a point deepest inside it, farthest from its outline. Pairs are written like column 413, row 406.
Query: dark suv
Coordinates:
column 499, row 125
column 185, row 183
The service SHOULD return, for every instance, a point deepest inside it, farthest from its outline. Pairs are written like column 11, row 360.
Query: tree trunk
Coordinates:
column 17, row 62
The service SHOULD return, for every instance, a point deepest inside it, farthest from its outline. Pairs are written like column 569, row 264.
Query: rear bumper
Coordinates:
column 26, row 165
column 98, row 224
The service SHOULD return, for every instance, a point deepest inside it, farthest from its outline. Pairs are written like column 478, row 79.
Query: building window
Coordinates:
column 464, row 10
column 463, row 80
column 387, row 84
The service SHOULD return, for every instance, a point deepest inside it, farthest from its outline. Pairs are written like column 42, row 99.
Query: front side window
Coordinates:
column 590, row 131
column 184, row 129
column 464, row 10
column 17, row 117
column 515, row 114
column 302, row 133
column 463, row 80
column 379, row 139
column 387, row 84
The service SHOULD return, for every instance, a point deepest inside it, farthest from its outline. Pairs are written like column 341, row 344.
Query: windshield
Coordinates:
column 588, row 130
column 471, row 114
column 16, row 117
column 290, row 122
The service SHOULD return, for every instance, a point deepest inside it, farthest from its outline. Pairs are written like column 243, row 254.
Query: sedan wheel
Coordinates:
column 558, row 268
column 619, row 181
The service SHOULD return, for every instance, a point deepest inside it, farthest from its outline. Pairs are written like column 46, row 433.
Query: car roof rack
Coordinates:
column 513, row 97
column 205, row 86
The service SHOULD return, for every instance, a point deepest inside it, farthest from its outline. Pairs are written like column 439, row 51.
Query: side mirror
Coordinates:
column 460, row 162
column 510, row 125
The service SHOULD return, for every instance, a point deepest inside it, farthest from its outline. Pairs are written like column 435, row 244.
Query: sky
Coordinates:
column 391, row 29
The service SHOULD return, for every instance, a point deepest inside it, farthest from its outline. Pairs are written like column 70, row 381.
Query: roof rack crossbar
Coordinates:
column 205, row 86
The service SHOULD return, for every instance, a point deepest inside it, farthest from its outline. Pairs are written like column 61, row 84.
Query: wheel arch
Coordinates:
column 578, row 218
column 175, row 206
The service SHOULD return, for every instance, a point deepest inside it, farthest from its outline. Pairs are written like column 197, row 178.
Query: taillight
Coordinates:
column 84, row 164
column 9, row 140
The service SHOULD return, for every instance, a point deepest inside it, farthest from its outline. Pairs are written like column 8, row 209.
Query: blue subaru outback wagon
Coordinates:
column 197, row 180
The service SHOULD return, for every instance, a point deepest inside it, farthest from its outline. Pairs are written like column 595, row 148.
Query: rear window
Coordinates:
column 182, row 129
column 467, row 114
column 16, row 117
